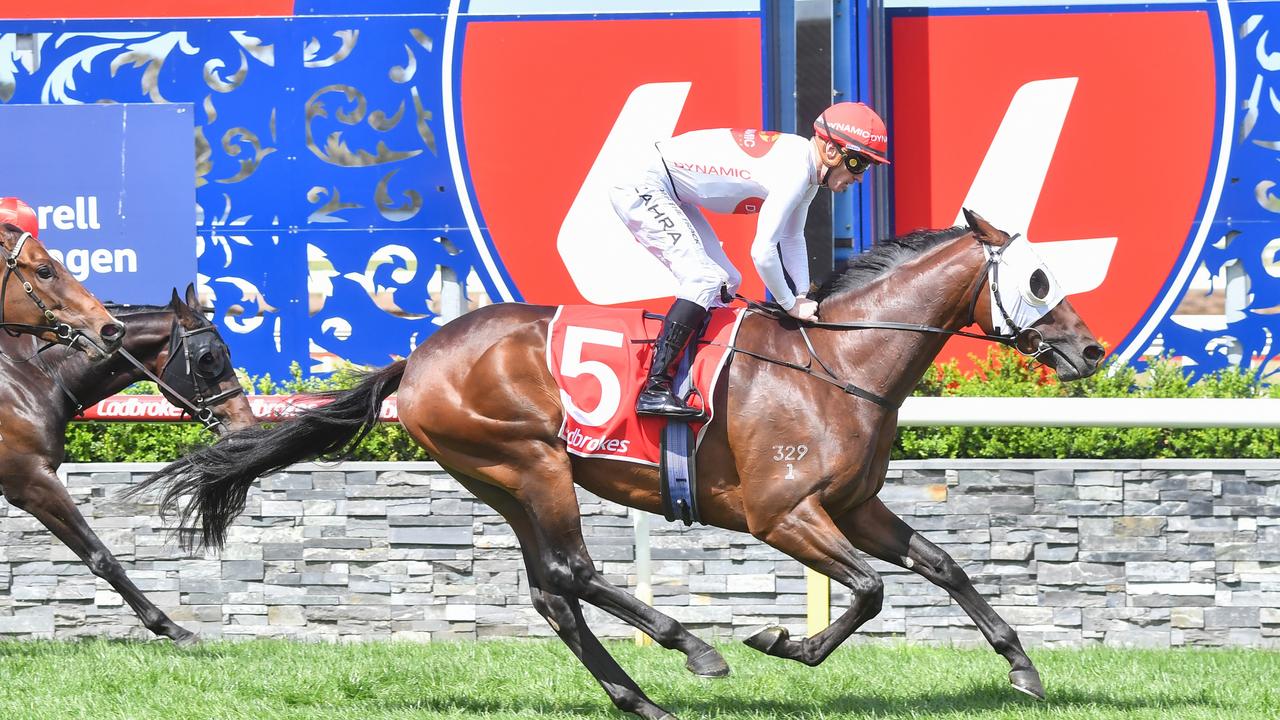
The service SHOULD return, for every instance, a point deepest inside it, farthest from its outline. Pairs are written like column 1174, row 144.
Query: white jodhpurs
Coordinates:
column 679, row 236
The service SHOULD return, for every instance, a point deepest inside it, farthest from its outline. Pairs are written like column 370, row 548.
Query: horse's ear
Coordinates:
column 182, row 310
column 193, row 298
column 984, row 230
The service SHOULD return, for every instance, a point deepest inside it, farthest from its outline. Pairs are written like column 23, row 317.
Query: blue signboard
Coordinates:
column 112, row 185
column 333, row 193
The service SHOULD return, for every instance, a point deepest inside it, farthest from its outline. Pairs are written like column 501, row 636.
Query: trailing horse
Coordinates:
column 478, row 396
column 41, row 389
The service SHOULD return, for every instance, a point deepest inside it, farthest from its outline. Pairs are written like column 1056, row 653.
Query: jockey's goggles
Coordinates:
column 856, row 163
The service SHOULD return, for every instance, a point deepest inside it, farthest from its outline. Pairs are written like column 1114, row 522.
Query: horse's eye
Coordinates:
column 1039, row 284
column 207, row 363
column 45, row 272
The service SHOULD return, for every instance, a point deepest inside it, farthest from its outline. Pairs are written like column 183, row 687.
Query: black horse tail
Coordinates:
column 216, row 478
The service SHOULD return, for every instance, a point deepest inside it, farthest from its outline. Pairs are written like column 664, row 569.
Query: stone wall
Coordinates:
column 1154, row 553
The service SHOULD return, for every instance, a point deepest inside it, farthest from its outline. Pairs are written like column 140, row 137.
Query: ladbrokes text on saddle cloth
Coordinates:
column 594, row 356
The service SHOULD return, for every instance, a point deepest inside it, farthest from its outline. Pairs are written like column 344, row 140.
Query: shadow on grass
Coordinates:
column 991, row 697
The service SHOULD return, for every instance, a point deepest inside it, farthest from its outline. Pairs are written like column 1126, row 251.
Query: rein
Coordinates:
column 990, row 274
column 200, row 408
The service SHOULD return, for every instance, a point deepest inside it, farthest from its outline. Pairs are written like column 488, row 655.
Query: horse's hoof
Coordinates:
column 1027, row 681
column 768, row 639
column 186, row 639
column 708, row 664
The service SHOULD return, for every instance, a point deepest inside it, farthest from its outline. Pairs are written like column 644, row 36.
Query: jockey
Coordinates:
column 16, row 212
column 737, row 171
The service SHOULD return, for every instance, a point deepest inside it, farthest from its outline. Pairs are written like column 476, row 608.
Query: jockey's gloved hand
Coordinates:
column 804, row 309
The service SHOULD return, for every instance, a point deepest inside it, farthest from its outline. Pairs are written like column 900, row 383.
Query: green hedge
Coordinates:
column 162, row 442
column 1003, row 373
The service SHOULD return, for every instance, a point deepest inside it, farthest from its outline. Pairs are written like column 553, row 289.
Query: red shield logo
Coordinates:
column 1089, row 131
column 556, row 112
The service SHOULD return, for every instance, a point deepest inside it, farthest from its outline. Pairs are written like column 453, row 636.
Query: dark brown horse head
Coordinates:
column 39, row 293
column 1023, row 300
column 198, row 365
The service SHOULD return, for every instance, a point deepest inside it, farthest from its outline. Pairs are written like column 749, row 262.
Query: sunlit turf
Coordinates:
column 265, row 680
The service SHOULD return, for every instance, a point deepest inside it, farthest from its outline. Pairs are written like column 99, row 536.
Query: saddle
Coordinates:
column 599, row 358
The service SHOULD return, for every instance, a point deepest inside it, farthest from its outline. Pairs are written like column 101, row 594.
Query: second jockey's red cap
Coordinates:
column 16, row 212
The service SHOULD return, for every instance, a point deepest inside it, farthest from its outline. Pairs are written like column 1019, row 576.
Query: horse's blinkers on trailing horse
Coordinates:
column 43, row 388
column 478, row 396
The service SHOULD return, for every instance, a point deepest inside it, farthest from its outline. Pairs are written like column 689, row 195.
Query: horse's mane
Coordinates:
column 883, row 257
column 131, row 309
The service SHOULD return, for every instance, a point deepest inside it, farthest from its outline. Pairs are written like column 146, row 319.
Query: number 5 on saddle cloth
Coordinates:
column 599, row 358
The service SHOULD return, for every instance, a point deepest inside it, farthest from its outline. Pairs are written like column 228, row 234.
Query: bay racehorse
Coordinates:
column 42, row 388
column 478, row 396
column 38, row 296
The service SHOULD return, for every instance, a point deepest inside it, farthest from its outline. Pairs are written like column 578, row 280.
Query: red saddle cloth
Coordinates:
column 600, row 359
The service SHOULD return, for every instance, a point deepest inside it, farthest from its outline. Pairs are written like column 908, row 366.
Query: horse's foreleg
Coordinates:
column 558, row 576
column 38, row 491
column 875, row 529
column 809, row 535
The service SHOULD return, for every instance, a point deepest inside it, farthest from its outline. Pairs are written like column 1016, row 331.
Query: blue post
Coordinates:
column 845, row 206
column 780, row 54
column 861, row 215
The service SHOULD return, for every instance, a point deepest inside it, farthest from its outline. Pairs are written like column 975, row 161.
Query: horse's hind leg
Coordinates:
column 564, row 613
column 876, row 530
column 559, row 576
column 701, row 658
column 38, row 491
column 809, row 535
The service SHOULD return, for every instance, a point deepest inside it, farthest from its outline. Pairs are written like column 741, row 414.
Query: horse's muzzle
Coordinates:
column 98, row 346
column 112, row 335
column 1080, row 363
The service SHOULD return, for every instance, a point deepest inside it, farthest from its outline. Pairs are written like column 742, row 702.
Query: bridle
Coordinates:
column 201, row 381
column 1026, row 340
column 66, row 335
column 202, row 378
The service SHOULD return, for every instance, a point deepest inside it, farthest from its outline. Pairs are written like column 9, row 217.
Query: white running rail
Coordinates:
column 1091, row 412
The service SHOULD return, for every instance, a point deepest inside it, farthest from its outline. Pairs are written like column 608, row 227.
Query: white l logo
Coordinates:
column 1008, row 183
column 608, row 266
column 606, row 263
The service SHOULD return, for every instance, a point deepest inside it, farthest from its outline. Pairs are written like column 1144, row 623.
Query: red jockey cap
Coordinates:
column 854, row 126
column 16, row 212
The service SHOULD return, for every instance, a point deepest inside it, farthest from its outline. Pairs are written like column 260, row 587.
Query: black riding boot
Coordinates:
column 682, row 321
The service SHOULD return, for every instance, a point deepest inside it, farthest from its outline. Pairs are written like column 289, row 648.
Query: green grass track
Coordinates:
column 269, row 680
